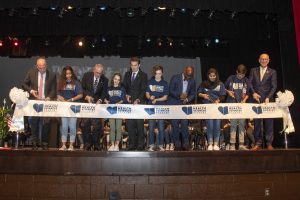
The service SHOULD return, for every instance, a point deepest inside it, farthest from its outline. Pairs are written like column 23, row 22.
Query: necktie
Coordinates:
column 261, row 74
column 95, row 85
column 40, row 94
column 133, row 76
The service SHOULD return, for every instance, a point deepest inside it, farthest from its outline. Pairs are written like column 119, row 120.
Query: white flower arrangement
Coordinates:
column 18, row 96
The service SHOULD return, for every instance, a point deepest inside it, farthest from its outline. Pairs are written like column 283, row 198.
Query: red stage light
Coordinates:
column 16, row 43
column 1, row 43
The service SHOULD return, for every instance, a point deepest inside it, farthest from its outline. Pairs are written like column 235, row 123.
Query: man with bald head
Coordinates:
column 182, row 91
column 263, row 82
column 94, row 86
column 40, row 82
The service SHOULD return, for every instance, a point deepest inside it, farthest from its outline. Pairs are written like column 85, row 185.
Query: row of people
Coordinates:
column 136, row 89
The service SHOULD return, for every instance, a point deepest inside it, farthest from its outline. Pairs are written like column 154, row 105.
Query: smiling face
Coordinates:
column 264, row 60
column 134, row 66
column 212, row 77
column 116, row 80
column 68, row 75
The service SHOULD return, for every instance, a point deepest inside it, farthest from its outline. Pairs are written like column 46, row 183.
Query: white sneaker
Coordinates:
column 227, row 147
column 71, row 148
column 167, row 147
column 210, row 147
column 111, row 148
column 243, row 148
column 216, row 147
column 232, row 147
column 161, row 148
column 172, row 147
column 151, row 148
column 81, row 147
column 63, row 148
column 116, row 148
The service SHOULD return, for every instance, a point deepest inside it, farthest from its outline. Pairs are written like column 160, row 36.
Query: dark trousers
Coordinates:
column 92, row 131
column 136, row 133
column 183, row 129
column 267, row 129
column 35, row 129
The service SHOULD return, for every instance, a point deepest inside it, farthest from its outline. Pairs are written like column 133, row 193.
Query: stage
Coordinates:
column 54, row 174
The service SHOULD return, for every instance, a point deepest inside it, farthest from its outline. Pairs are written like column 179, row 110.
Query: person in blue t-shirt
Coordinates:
column 157, row 94
column 69, row 90
column 116, row 95
column 237, row 87
column 212, row 91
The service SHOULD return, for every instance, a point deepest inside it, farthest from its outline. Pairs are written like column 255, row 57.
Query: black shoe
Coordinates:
column 97, row 148
column 140, row 149
column 87, row 147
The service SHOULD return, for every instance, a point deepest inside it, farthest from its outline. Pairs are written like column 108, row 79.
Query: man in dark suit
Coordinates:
column 94, row 85
column 40, row 82
column 263, row 82
column 182, row 91
column 135, row 84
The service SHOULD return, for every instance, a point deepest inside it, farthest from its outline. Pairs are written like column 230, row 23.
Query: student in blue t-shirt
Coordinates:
column 69, row 90
column 212, row 91
column 157, row 94
column 116, row 95
column 237, row 87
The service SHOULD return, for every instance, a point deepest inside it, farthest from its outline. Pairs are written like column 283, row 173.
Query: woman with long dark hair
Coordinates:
column 69, row 90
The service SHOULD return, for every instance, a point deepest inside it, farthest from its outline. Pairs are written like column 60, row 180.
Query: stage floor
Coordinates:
column 55, row 162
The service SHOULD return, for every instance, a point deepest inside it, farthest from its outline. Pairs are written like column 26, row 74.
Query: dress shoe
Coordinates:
column 34, row 147
column 256, row 148
column 45, row 147
column 270, row 147
column 87, row 147
column 97, row 148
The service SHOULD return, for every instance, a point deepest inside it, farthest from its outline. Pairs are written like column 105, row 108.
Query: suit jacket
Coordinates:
column 88, row 86
column 265, row 88
column 137, row 88
column 176, row 90
column 31, row 83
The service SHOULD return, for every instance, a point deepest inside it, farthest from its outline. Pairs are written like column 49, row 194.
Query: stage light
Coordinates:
column 80, row 43
column 1, row 43
column 70, row 7
column 61, row 13
column 102, row 8
column 155, row 9
column 15, row 42
column 211, row 15
column 183, row 10
column 217, row 41
column 196, row 12
column 94, row 43
column 53, row 8
column 103, row 39
column 91, row 12
column 148, row 39
column 34, row 11
column 170, row 42
column 207, row 42
column 172, row 13
column 47, row 43
column 159, row 42
column 130, row 12
column 161, row 8
column 232, row 15
column 182, row 44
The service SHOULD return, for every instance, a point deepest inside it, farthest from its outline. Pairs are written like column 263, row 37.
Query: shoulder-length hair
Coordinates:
column 62, row 79
column 112, row 79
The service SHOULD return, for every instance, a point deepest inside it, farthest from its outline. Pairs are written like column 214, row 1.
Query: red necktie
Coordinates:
column 40, row 94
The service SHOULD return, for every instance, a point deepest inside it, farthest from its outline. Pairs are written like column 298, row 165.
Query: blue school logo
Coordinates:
column 112, row 109
column 75, row 109
column 188, row 110
column 38, row 107
column 150, row 111
column 257, row 109
column 223, row 110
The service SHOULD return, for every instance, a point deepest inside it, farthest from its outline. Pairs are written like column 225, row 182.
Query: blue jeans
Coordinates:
column 68, row 122
column 213, row 130
column 234, row 123
column 168, row 136
column 160, row 126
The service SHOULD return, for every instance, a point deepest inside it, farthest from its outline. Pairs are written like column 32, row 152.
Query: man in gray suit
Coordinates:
column 263, row 82
column 40, row 82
